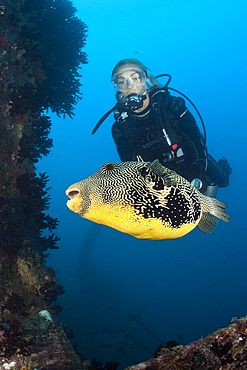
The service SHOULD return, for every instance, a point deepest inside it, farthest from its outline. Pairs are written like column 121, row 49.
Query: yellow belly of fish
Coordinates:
column 125, row 219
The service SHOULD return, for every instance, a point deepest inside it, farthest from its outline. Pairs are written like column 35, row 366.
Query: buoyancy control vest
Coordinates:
column 156, row 133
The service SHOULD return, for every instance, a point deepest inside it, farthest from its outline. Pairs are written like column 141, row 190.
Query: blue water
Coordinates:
column 191, row 286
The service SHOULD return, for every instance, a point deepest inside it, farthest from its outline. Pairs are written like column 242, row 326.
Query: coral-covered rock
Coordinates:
column 223, row 350
column 37, row 343
column 36, row 74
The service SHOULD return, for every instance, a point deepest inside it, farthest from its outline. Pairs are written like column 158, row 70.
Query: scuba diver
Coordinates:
column 152, row 124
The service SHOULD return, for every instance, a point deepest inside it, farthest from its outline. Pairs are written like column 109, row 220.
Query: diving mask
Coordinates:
column 131, row 78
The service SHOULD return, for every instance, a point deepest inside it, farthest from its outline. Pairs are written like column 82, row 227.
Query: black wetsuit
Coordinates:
column 165, row 130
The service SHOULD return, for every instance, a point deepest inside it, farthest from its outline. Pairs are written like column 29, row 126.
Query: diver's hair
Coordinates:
column 124, row 63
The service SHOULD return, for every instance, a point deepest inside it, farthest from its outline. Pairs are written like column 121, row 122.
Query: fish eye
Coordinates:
column 109, row 167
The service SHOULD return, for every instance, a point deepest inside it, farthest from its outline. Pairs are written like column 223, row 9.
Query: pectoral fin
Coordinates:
column 207, row 223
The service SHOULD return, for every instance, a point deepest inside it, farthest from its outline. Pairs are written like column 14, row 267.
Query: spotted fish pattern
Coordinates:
column 145, row 200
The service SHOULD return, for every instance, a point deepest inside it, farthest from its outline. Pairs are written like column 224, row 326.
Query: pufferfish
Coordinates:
column 145, row 200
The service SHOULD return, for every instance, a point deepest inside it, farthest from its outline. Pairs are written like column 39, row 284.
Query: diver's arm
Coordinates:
column 187, row 125
column 192, row 141
column 189, row 128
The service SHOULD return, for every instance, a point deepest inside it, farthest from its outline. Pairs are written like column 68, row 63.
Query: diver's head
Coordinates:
column 143, row 73
column 130, row 77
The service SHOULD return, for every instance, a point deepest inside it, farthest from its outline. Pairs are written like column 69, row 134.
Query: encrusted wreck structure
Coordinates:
column 40, row 52
column 226, row 349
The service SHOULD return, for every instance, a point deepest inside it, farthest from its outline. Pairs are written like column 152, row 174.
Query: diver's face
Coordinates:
column 129, row 82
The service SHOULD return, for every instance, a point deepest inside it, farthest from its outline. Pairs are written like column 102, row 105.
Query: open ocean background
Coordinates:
column 185, row 288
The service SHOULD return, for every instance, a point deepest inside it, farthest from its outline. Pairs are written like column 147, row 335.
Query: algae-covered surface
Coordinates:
column 32, row 80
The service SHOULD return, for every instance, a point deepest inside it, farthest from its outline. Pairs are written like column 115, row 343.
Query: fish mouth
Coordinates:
column 72, row 193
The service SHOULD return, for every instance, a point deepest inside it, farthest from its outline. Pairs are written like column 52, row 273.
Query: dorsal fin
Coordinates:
column 169, row 176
